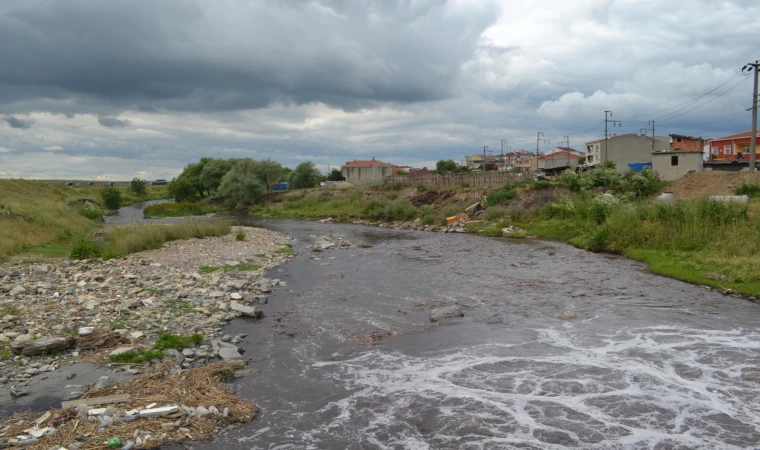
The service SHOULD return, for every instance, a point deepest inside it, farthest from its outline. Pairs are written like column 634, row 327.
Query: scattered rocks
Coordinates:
column 229, row 354
column 445, row 313
column 715, row 276
column 565, row 315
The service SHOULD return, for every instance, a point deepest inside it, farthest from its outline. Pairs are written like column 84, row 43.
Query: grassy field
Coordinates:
column 35, row 214
column 42, row 218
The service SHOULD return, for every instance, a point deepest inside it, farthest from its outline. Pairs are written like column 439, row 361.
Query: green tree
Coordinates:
column 137, row 186
column 181, row 190
column 269, row 173
column 335, row 175
column 213, row 171
column 111, row 197
column 447, row 165
column 192, row 175
column 240, row 186
column 305, row 176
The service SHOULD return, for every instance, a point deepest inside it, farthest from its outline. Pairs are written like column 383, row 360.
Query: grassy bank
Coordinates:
column 127, row 195
column 35, row 214
column 119, row 241
column 698, row 241
column 179, row 209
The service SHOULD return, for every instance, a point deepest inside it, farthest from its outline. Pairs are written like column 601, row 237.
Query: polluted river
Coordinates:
column 347, row 357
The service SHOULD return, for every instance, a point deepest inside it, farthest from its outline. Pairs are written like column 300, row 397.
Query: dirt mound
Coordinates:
column 533, row 198
column 430, row 197
column 704, row 184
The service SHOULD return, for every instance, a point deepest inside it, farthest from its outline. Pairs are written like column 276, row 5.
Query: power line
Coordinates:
column 690, row 101
column 707, row 102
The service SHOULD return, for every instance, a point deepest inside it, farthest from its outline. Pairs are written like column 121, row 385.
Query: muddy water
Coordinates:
column 347, row 358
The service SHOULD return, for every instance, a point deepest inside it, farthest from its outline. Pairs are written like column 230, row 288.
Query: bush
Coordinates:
column 240, row 187
column 542, row 184
column 240, row 236
column 751, row 190
column 386, row 211
column 421, row 187
column 138, row 187
column 84, row 248
column 111, row 197
column 501, row 196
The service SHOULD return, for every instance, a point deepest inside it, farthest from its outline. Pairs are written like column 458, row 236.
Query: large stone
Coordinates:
column 246, row 310
column 18, row 290
column 121, row 350
column 445, row 313
column 28, row 347
column 229, row 354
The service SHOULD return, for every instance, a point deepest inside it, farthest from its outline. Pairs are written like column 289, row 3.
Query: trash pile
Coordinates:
column 167, row 404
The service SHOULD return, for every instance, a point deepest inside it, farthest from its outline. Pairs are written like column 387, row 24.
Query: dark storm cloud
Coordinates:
column 201, row 55
column 17, row 123
column 113, row 122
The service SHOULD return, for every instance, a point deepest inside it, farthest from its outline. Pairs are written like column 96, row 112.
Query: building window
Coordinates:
column 678, row 140
column 727, row 150
column 715, row 151
column 745, row 149
column 674, row 160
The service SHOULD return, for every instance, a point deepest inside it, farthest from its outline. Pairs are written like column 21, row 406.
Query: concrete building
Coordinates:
column 557, row 161
column 672, row 165
column 624, row 149
column 368, row 171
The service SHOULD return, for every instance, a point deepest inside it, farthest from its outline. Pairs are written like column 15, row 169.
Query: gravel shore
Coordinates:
column 90, row 308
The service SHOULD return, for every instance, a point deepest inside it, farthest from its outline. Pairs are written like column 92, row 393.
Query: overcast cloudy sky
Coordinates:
column 122, row 88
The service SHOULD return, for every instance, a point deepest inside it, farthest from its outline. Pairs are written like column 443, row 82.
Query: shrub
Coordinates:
column 240, row 236
column 84, row 248
column 386, row 211
column 111, row 197
column 138, row 187
column 90, row 211
column 464, row 185
column 421, row 187
column 501, row 196
column 749, row 189
column 542, row 184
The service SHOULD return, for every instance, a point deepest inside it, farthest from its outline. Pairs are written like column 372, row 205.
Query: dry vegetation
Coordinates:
column 164, row 385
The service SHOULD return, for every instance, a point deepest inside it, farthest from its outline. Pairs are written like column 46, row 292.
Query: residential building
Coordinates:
column 679, row 142
column 566, row 149
column 475, row 162
column 734, row 146
column 674, row 164
column 368, row 171
column 624, row 149
column 417, row 173
column 556, row 161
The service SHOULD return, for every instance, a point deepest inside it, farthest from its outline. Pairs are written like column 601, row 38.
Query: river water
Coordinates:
column 346, row 357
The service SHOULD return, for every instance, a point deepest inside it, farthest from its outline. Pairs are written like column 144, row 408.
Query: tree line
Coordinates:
column 242, row 181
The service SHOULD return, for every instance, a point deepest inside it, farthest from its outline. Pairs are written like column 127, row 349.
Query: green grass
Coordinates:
column 689, row 268
column 240, row 268
column 284, row 251
column 118, row 325
column 165, row 342
column 178, row 210
column 9, row 311
column 260, row 255
column 137, row 356
column 173, row 341
column 120, row 241
column 240, row 236
column 36, row 214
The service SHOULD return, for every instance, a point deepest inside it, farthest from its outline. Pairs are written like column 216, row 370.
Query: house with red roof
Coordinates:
column 734, row 146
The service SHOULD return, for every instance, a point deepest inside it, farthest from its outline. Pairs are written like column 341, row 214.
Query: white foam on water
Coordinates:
column 654, row 387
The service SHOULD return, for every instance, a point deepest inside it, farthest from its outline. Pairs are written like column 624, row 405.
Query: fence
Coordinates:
column 481, row 179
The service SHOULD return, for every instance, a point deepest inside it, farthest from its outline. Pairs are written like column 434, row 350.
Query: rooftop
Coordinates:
column 365, row 163
column 746, row 134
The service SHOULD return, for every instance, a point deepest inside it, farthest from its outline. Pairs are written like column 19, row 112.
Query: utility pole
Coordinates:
column 565, row 141
column 753, row 140
column 485, row 147
column 539, row 140
column 503, row 157
column 607, row 115
column 644, row 130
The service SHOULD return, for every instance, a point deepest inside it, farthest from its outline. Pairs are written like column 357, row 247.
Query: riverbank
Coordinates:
column 698, row 241
column 114, row 319
column 45, row 217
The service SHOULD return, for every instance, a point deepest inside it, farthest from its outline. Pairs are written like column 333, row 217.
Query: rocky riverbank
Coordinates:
column 69, row 318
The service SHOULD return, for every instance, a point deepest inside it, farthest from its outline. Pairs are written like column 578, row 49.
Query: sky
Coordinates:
column 111, row 90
